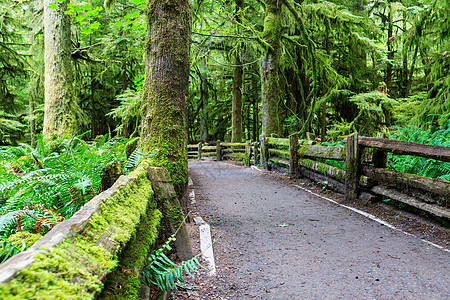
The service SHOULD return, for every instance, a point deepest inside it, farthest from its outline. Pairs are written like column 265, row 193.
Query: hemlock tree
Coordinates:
column 236, row 110
column 270, row 74
column 166, row 85
column 62, row 112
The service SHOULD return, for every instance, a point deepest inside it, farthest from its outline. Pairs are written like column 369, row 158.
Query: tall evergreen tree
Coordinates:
column 270, row 69
column 62, row 112
column 166, row 86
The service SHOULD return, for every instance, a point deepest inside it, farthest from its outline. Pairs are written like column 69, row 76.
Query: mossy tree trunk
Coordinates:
column 236, row 109
column 62, row 112
column 270, row 73
column 204, row 97
column 166, row 85
column 31, row 93
column 390, row 55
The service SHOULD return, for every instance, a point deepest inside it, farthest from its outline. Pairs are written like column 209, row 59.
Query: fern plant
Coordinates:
column 8, row 250
column 419, row 165
column 41, row 187
column 163, row 272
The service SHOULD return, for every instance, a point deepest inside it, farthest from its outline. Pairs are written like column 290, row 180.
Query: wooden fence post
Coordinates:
column 293, row 156
column 379, row 156
column 255, row 153
column 218, row 150
column 200, row 150
column 262, row 144
column 352, row 167
column 248, row 152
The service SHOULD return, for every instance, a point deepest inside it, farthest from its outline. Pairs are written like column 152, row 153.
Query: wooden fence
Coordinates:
column 243, row 152
column 365, row 175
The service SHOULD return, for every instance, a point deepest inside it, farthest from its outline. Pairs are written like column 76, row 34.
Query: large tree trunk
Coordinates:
column 166, row 86
column 62, row 113
column 236, row 109
column 270, row 69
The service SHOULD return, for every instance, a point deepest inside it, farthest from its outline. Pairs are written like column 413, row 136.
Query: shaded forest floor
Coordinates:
column 280, row 242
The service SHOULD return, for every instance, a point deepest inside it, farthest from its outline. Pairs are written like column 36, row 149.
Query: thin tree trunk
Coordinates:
column 31, row 94
column 255, row 84
column 166, row 86
column 236, row 110
column 390, row 50
column 270, row 69
column 204, row 97
column 405, row 85
column 62, row 113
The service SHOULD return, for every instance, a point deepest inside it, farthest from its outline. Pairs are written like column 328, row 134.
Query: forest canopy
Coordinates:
column 277, row 67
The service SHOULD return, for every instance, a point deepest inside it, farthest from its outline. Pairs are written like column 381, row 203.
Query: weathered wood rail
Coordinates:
column 243, row 152
column 364, row 176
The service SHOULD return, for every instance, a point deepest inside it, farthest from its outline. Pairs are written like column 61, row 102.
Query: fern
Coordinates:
column 7, row 250
column 163, row 272
column 59, row 175
column 419, row 165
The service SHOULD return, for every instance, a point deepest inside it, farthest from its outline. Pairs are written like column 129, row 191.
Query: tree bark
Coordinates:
column 166, row 86
column 62, row 112
column 390, row 50
column 31, row 94
column 236, row 109
column 204, row 96
column 270, row 69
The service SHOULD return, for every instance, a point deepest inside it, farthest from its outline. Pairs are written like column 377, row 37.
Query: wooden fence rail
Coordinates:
column 244, row 152
column 364, row 176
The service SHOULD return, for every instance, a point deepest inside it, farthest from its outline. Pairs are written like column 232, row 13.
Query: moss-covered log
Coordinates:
column 278, row 142
column 331, row 171
column 279, row 153
column 166, row 86
column 80, row 251
column 317, row 151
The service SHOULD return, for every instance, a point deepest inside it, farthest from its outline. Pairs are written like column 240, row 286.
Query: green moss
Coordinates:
column 175, row 215
column 130, row 146
column 279, row 143
column 124, row 282
column 28, row 237
column 71, row 270
column 122, row 210
column 279, row 153
column 74, row 268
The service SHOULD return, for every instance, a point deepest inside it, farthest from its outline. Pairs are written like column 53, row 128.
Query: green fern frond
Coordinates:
column 7, row 250
column 163, row 272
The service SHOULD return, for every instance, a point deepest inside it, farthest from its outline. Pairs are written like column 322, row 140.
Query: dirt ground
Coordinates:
column 276, row 241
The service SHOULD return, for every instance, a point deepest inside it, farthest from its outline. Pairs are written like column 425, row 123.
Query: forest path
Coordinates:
column 279, row 242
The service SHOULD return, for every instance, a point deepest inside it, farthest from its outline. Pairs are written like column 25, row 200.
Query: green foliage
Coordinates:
column 419, row 165
column 11, row 129
column 375, row 114
column 163, row 272
column 7, row 250
column 41, row 187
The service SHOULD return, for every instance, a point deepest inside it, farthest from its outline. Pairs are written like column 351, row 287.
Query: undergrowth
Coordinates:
column 42, row 186
column 419, row 165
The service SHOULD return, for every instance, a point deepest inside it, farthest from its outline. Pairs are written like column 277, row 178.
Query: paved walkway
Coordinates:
column 279, row 242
